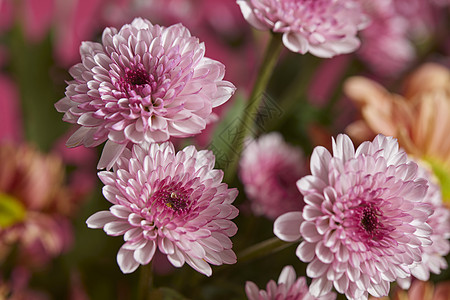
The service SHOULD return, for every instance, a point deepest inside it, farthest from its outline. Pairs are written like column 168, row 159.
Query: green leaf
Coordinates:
column 443, row 175
column 11, row 211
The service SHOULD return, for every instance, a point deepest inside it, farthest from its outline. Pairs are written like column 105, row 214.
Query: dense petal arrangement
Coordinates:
column 175, row 202
column 289, row 287
column 433, row 259
column 386, row 43
column 144, row 82
column 322, row 27
column 269, row 169
column 364, row 224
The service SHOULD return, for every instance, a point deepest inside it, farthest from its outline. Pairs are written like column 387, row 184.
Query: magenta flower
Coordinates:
column 289, row 287
column 269, row 169
column 364, row 223
column 322, row 27
column 171, row 201
column 433, row 259
column 144, row 83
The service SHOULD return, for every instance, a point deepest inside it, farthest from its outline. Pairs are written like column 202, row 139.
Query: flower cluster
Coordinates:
column 143, row 85
column 365, row 217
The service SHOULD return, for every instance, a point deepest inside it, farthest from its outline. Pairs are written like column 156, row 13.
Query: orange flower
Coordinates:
column 420, row 119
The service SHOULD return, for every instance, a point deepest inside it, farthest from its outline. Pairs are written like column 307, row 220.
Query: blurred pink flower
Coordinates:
column 441, row 2
column 35, row 205
column 7, row 13
column 433, row 259
column 389, row 42
column 289, row 287
column 171, row 201
column 35, row 16
column 38, row 17
column 364, row 222
column 322, row 27
column 269, row 169
column 76, row 21
column 386, row 46
column 144, row 84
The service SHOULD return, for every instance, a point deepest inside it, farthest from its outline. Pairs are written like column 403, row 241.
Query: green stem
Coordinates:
column 268, row 64
column 145, row 284
column 262, row 249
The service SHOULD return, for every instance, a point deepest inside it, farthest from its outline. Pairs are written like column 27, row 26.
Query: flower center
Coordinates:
column 137, row 77
column 176, row 198
column 369, row 220
column 175, row 201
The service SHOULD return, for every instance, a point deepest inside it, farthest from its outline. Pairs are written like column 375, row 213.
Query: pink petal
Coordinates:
column 287, row 226
column 199, row 264
column 320, row 286
column 252, row 290
column 145, row 254
column 126, row 261
column 287, row 276
column 248, row 14
column 305, row 251
column 99, row 219
column 295, row 42
column 110, row 154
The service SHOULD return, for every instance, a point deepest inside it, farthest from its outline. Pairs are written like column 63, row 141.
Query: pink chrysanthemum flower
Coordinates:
column 144, row 83
column 175, row 202
column 289, row 287
column 269, row 170
column 322, row 27
column 364, row 223
column 433, row 257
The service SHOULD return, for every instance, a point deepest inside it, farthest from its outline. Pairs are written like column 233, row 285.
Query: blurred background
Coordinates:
column 47, row 191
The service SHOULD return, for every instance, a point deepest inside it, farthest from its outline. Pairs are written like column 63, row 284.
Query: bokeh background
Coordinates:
column 47, row 191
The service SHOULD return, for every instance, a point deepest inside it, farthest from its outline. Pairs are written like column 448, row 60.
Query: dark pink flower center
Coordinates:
column 137, row 80
column 369, row 219
column 137, row 77
column 365, row 222
column 174, row 197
